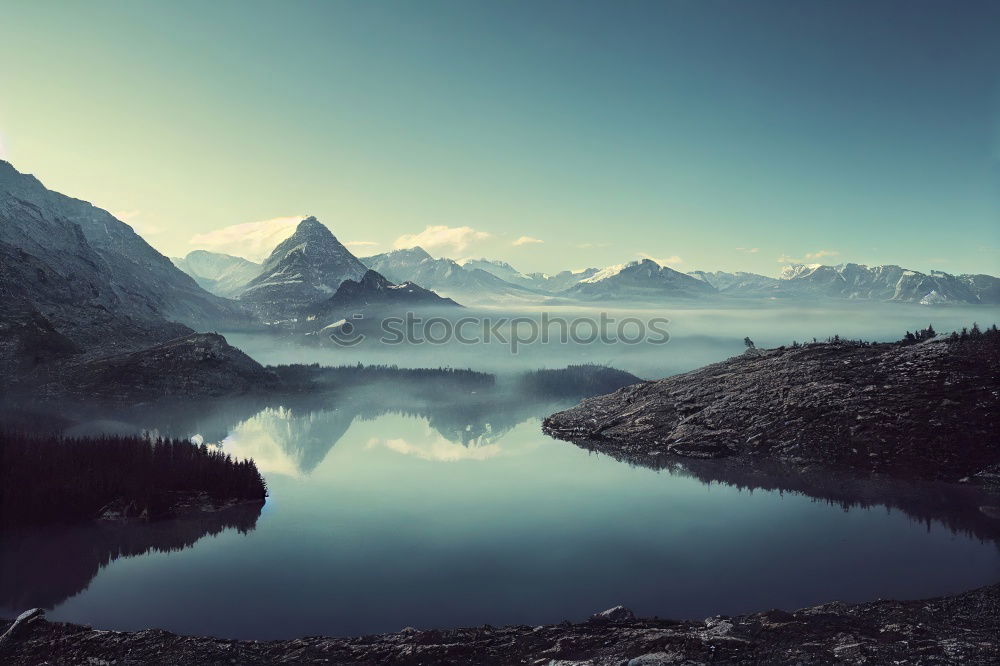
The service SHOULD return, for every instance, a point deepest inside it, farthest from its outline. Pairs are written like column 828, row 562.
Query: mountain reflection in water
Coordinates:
column 386, row 496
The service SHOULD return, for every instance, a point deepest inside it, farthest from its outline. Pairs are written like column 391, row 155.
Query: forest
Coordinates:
column 49, row 479
column 308, row 377
column 576, row 381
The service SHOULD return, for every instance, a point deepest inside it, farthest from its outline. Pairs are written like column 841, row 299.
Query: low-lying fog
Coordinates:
column 697, row 336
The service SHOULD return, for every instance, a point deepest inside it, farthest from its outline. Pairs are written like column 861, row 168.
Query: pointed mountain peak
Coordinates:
column 418, row 251
column 311, row 227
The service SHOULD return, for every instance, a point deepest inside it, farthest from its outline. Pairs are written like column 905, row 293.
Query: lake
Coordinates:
column 454, row 510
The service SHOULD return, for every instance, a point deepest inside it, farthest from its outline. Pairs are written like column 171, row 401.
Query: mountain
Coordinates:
column 641, row 281
column 986, row 287
column 144, row 282
column 374, row 290
column 59, row 296
column 69, row 301
column 221, row 274
column 304, row 269
column 739, row 283
column 881, row 283
column 858, row 282
column 857, row 406
column 446, row 277
column 537, row 281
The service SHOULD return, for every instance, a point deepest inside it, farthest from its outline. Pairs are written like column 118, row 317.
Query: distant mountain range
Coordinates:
column 448, row 277
column 308, row 278
column 858, row 282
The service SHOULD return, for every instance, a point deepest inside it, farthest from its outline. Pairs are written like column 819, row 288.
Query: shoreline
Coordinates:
column 957, row 629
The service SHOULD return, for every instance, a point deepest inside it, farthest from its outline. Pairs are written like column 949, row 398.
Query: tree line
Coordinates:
column 47, row 479
column 311, row 376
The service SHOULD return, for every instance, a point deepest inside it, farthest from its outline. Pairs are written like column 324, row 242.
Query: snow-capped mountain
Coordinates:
column 880, row 283
column 446, row 276
column 986, row 287
column 858, row 282
column 304, row 269
column 537, row 281
column 739, row 283
column 642, row 280
column 221, row 274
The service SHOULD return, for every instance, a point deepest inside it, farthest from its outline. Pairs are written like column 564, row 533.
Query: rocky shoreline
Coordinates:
column 924, row 410
column 960, row 629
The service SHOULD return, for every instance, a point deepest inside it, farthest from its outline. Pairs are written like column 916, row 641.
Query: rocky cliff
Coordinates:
column 924, row 410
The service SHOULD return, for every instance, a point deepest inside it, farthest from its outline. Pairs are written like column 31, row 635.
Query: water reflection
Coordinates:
column 45, row 566
column 966, row 510
column 385, row 497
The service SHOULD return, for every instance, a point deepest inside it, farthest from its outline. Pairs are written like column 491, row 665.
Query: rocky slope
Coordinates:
column 925, row 410
column 304, row 269
column 961, row 629
column 199, row 364
column 141, row 282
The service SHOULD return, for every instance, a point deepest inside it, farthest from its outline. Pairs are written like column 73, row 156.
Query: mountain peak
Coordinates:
column 311, row 226
column 305, row 268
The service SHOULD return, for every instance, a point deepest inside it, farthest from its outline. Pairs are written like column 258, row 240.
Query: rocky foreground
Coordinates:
column 925, row 410
column 963, row 629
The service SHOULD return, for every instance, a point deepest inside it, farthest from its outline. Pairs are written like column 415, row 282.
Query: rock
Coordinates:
column 840, row 405
column 616, row 614
column 958, row 629
column 19, row 625
column 657, row 659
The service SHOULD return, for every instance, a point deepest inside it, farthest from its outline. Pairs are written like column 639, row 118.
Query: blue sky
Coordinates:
column 710, row 135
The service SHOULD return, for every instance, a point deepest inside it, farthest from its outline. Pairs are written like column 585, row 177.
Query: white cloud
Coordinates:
column 360, row 244
column 441, row 236
column 438, row 450
column 672, row 260
column 748, row 250
column 819, row 254
column 809, row 258
column 251, row 240
column 527, row 240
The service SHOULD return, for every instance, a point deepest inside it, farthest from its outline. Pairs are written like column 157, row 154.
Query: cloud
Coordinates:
column 438, row 450
column 527, row 240
column 748, row 250
column 819, row 254
column 140, row 227
column 810, row 257
column 672, row 260
column 435, row 236
column 251, row 240
column 360, row 244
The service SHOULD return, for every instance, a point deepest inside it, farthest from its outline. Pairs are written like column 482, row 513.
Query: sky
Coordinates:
column 556, row 135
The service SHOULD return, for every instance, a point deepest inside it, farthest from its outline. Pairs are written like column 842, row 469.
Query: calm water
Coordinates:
column 446, row 510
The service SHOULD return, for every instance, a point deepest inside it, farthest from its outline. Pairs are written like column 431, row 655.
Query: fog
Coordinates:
column 697, row 336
